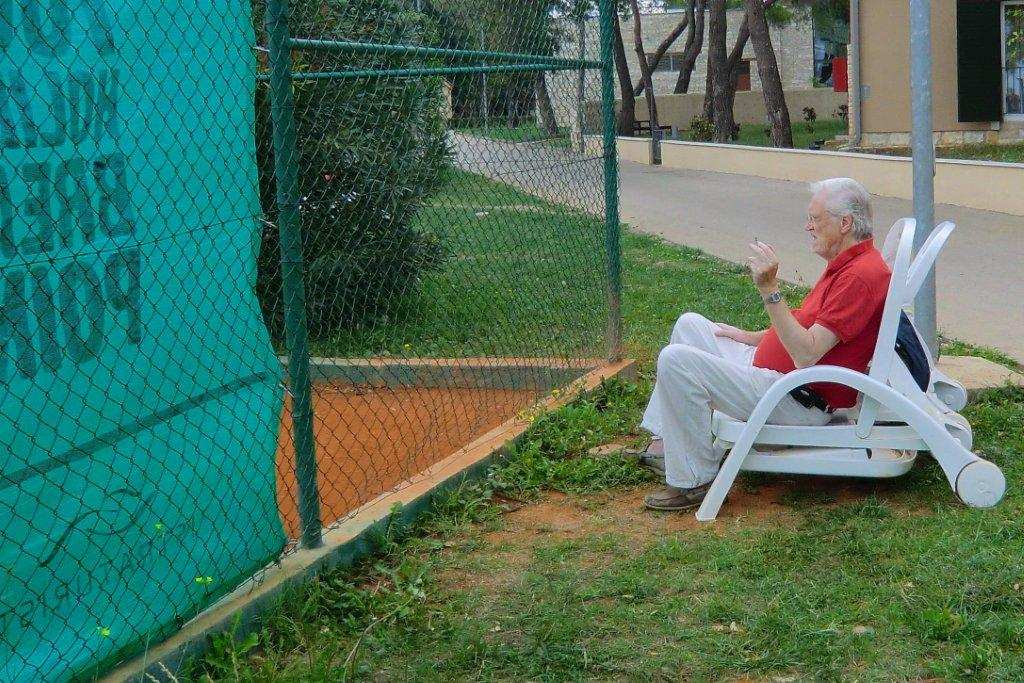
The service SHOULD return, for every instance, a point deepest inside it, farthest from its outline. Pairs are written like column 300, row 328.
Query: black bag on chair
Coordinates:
column 912, row 352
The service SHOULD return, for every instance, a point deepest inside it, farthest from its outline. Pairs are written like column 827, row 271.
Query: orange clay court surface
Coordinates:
column 369, row 439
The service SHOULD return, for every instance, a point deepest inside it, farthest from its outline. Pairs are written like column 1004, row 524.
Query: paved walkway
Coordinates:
column 979, row 277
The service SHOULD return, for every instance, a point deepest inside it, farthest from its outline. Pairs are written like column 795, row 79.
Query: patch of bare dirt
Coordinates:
column 759, row 501
column 753, row 501
column 555, row 513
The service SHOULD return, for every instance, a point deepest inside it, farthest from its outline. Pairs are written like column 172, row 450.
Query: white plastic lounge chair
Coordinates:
column 946, row 389
column 895, row 420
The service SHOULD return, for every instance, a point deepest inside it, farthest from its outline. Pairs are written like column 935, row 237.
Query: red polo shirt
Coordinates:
column 848, row 299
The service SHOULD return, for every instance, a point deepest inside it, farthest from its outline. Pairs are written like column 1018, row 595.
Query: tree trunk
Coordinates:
column 736, row 56
column 709, row 90
column 544, row 108
column 722, row 113
column 645, row 75
column 768, row 70
column 732, row 65
column 694, row 45
column 627, row 111
column 638, row 89
column 645, row 68
column 709, row 82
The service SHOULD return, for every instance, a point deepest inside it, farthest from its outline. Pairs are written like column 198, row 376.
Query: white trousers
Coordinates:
column 698, row 372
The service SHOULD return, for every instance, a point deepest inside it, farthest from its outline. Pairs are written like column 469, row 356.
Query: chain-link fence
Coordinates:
column 263, row 264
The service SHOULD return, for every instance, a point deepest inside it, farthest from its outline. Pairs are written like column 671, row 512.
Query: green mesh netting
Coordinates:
column 254, row 279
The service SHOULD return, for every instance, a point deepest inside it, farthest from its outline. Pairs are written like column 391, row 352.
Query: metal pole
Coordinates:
column 286, row 174
column 924, row 158
column 854, row 86
column 611, row 184
column 581, row 85
column 484, row 105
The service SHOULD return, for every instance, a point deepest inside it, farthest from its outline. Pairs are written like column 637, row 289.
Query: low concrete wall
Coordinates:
column 634, row 149
column 677, row 110
column 986, row 185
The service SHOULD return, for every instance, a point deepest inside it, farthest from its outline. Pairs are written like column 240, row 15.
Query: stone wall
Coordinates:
column 793, row 51
column 677, row 110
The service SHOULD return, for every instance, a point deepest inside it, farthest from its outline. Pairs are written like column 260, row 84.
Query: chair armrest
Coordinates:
column 912, row 414
column 832, row 374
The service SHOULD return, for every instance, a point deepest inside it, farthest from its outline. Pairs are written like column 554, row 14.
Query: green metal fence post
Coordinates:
column 611, row 184
column 286, row 173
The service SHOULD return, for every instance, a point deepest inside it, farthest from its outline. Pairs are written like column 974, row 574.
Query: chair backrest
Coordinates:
column 925, row 258
column 892, row 241
column 885, row 346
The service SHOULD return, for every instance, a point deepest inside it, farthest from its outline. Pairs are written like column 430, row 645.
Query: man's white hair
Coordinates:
column 846, row 197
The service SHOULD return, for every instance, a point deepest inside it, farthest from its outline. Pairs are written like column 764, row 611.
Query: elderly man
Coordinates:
column 710, row 365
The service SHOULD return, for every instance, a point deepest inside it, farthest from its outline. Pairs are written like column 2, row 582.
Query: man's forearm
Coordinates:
column 804, row 346
column 796, row 339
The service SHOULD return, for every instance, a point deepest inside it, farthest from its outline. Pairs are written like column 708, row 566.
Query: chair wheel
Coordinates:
column 953, row 396
column 980, row 484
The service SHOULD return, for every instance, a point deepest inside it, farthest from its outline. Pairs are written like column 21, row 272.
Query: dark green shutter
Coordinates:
column 979, row 60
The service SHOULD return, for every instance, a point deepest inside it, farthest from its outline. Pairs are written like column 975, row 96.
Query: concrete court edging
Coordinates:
column 985, row 185
column 240, row 611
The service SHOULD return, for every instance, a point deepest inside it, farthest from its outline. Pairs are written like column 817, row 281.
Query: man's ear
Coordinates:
column 847, row 224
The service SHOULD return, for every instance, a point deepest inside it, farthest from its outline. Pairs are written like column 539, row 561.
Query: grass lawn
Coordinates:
column 550, row 570
column 524, row 278
column 824, row 129
column 1011, row 154
column 525, row 132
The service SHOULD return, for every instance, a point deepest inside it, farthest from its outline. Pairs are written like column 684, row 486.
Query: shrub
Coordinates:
column 370, row 151
column 810, row 116
column 701, row 129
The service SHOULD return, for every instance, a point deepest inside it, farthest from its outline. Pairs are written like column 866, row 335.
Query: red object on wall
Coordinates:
column 840, row 78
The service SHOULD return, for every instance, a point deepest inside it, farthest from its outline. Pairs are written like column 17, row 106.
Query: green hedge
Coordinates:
column 370, row 151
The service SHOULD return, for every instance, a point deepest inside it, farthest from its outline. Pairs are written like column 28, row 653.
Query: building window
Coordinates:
column 671, row 61
column 743, row 80
column 1013, row 59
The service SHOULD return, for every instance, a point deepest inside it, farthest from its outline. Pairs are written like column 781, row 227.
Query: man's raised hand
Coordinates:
column 764, row 265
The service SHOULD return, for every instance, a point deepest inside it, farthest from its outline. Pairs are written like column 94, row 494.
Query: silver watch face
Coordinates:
column 774, row 298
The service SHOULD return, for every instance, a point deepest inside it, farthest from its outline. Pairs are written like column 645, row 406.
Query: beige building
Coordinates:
column 793, row 51
column 977, row 76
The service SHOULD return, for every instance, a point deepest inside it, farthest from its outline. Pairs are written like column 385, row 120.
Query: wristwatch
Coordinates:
column 773, row 298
